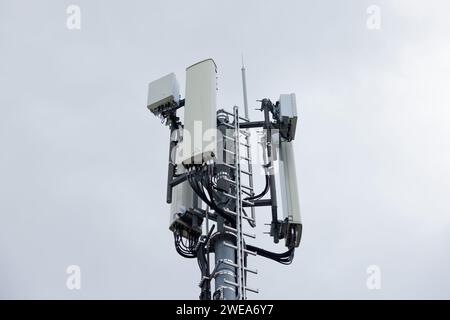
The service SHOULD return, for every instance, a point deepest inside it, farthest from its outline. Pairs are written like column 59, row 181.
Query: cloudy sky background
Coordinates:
column 83, row 163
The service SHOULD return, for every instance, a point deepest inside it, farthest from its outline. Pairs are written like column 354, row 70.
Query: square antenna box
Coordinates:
column 162, row 93
column 288, row 115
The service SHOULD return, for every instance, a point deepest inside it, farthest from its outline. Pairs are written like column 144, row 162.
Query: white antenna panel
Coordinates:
column 200, row 120
column 288, row 179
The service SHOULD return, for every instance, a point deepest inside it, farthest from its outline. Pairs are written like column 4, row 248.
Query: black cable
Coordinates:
column 283, row 258
column 267, row 184
column 185, row 250
column 197, row 189
column 206, row 181
column 201, row 180
column 258, row 196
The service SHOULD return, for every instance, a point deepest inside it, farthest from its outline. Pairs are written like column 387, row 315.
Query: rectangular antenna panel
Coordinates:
column 289, row 188
column 182, row 200
column 163, row 91
column 200, row 120
column 288, row 115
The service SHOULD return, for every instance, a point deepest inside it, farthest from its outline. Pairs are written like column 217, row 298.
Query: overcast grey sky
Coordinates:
column 83, row 163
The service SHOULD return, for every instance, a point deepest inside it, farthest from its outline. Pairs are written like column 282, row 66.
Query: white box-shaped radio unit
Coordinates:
column 163, row 91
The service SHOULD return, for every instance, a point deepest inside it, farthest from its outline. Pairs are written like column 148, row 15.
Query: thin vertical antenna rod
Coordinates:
column 247, row 138
column 244, row 89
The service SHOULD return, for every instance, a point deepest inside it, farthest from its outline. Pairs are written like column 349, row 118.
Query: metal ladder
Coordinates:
column 241, row 252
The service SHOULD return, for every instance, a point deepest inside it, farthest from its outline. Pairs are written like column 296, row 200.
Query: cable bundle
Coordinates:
column 186, row 247
column 283, row 258
column 201, row 181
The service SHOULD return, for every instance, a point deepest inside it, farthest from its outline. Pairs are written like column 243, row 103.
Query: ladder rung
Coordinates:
column 229, row 211
column 234, row 182
column 235, row 214
column 231, row 283
column 234, row 197
column 229, row 138
column 229, row 245
column 229, row 195
column 231, row 264
column 229, row 165
column 229, row 151
column 250, row 235
column 254, row 271
column 230, row 229
column 252, row 290
column 228, row 125
column 232, row 212
column 229, row 180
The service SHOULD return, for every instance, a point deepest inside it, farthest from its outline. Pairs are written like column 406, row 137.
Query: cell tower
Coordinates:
column 210, row 178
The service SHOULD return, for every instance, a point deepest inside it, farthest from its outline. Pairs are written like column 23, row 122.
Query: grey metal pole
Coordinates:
column 225, row 257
